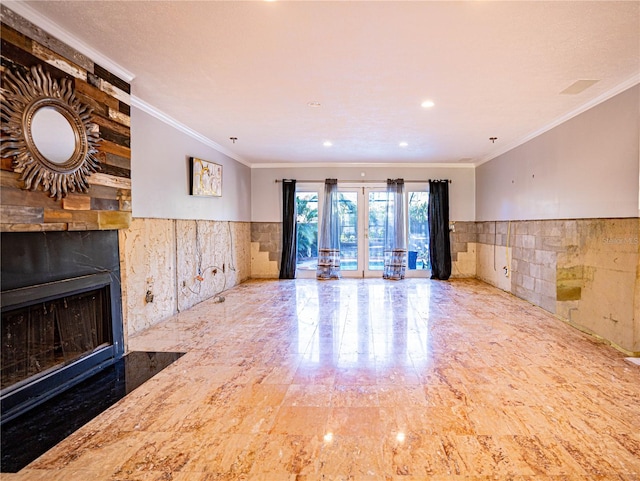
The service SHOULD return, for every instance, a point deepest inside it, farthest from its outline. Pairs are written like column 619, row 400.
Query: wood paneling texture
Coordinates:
column 107, row 204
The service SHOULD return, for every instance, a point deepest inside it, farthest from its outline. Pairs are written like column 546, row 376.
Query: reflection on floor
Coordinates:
column 28, row 436
column 365, row 380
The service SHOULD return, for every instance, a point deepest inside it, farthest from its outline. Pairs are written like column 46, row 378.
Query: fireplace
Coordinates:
column 46, row 335
column 61, row 313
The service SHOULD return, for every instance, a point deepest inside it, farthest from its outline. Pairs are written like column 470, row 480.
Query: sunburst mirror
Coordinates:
column 47, row 132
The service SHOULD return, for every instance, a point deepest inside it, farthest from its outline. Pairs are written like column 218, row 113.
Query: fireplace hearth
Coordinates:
column 26, row 437
column 61, row 313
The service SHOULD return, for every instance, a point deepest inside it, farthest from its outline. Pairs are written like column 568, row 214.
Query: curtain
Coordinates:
column 395, row 247
column 288, row 259
column 329, row 238
column 439, row 242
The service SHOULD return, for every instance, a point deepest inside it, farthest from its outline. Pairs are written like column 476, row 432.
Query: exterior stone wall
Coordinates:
column 168, row 266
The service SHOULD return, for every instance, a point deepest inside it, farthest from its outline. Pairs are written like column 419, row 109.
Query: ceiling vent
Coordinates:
column 578, row 87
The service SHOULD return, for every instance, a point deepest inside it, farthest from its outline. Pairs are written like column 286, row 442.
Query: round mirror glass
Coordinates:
column 53, row 135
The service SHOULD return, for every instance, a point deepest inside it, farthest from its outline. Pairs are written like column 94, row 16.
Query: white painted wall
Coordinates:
column 586, row 167
column 160, row 175
column 266, row 199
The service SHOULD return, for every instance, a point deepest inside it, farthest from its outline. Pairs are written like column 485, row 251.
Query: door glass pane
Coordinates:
column 348, row 205
column 307, row 237
column 418, row 231
column 377, row 214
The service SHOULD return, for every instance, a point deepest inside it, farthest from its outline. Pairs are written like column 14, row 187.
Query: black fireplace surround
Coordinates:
column 45, row 271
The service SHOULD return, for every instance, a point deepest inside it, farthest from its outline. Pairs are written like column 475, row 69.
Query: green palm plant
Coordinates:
column 307, row 220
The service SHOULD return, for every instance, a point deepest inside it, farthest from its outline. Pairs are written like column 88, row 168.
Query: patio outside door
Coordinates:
column 362, row 213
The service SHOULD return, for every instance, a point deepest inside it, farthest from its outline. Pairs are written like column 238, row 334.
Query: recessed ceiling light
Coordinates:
column 403, row 144
column 427, row 104
column 327, row 143
column 314, row 104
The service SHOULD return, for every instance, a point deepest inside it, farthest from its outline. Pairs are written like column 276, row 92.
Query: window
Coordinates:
column 307, row 230
column 348, row 208
column 418, row 242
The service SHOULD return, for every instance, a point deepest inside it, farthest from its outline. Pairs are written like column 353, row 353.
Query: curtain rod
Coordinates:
column 363, row 181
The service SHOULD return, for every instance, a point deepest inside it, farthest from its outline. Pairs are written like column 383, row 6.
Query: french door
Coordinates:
column 364, row 247
column 362, row 211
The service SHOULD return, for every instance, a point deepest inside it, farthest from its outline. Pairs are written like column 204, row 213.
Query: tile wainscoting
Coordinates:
column 266, row 250
column 582, row 270
column 169, row 266
column 585, row 271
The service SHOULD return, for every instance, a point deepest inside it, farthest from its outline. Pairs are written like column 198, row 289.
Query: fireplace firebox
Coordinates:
column 61, row 313
column 49, row 334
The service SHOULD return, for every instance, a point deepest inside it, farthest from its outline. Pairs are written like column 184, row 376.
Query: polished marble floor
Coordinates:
column 28, row 435
column 365, row 380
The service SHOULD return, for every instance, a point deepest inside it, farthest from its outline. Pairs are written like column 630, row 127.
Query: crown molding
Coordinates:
column 52, row 28
column 158, row 114
column 627, row 84
column 300, row 165
column 61, row 34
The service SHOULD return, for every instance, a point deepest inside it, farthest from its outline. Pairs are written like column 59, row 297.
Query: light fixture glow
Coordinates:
column 427, row 104
column 328, row 437
column 403, row 144
column 327, row 143
column 400, row 437
column 314, row 104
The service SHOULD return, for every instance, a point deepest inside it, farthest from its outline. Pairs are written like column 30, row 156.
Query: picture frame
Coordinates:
column 206, row 178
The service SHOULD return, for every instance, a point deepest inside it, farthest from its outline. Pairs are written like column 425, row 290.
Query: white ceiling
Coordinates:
column 249, row 70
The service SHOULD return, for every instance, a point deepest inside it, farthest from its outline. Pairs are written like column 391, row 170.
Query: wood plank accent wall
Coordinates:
column 107, row 205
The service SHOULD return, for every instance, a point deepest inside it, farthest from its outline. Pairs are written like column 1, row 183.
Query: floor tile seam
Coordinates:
column 562, row 439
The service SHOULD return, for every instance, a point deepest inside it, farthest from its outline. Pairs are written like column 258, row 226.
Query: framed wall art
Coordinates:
column 206, row 178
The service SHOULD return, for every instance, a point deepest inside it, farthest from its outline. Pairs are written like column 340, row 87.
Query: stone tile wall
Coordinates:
column 585, row 271
column 170, row 265
column 525, row 253
column 534, row 259
column 266, row 240
column 464, row 239
column 217, row 252
column 266, row 250
column 597, row 276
